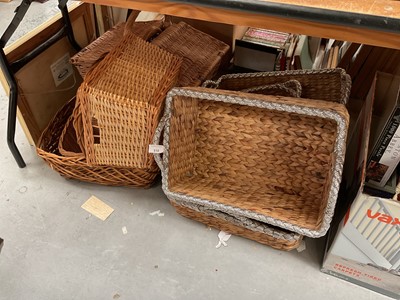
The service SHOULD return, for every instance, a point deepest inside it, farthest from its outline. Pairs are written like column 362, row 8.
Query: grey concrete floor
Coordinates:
column 56, row 250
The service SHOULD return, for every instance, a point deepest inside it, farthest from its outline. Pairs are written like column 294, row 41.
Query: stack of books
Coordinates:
column 261, row 50
column 384, row 143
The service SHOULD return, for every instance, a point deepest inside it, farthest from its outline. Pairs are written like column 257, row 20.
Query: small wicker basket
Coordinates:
column 121, row 102
column 276, row 160
column 74, row 165
column 202, row 54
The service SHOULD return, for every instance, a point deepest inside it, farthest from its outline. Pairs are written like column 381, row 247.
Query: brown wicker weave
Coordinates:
column 290, row 88
column 328, row 84
column 92, row 54
column 145, row 30
column 121, row 101
column 68, row 145
column 202, row 54
column 75, row 166
column 280, row 166
column 222, row 224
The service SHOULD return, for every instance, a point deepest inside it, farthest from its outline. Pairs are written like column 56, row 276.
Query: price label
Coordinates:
column 156, row 148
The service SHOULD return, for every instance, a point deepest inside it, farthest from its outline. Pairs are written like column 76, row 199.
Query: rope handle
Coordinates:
column 156, row 141
column 210, row 84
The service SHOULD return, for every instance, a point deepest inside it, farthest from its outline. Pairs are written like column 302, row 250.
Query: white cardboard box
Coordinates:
column 366, row 249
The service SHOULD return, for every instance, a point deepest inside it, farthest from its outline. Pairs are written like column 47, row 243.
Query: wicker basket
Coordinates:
column 75, row 166
column 256, row 231
column 277, row 160
column 327, row 84
column 121, row 101
column 202, row 54
column 145, row 30
column 290, row 88
column 92, row 54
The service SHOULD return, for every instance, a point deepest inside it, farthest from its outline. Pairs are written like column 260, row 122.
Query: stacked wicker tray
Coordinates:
column 235, row 159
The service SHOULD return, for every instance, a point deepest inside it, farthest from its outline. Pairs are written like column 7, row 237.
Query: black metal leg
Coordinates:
column 62, row 5
column 12, row 110
column 5, row 67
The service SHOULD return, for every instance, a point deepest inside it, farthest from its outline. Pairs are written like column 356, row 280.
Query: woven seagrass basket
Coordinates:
column 202, row 54
column 327, row 84
column 121, row 101
column 271, row 159
column 73, row 164
column 265, row 234
column 290, row 88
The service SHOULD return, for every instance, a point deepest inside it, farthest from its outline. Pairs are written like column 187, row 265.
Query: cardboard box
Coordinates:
column 364, row 246
column 366, row 249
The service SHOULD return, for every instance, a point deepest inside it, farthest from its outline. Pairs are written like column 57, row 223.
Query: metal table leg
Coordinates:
column 9, row 74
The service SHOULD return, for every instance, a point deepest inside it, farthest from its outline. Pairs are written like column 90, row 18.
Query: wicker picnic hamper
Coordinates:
column 326, row 84
column 74, row 165
column 275, row 160
column 121, row 101
column 202, row 54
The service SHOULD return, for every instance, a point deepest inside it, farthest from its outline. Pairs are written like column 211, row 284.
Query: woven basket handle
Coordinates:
column 210, row 84
column 157, row 140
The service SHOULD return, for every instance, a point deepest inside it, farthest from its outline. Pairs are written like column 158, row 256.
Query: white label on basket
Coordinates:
column 61, row 69
column 156, row 148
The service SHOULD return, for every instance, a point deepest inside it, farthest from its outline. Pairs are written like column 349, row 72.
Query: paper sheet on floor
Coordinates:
column 97, row 208
column 157, row 212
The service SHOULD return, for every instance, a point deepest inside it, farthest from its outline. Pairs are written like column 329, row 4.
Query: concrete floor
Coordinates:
column 56, row 250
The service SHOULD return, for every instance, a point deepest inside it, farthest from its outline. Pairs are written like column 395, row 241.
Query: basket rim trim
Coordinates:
column 265, row 229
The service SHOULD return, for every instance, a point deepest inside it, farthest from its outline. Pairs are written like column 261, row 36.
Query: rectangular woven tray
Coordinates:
column 277, row 160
